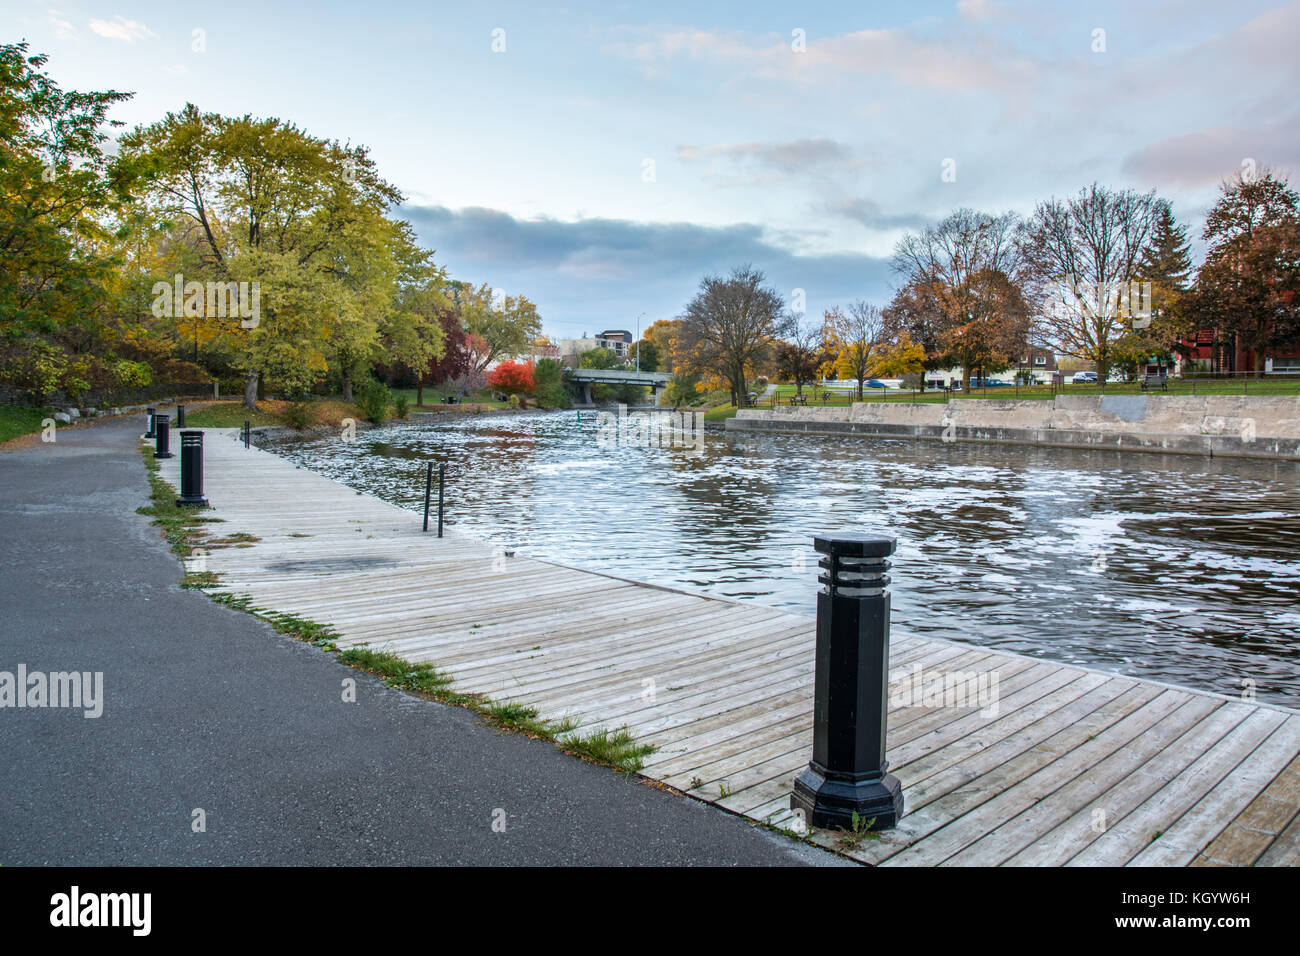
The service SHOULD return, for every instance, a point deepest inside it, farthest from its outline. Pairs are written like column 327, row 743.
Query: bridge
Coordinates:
column 587, row 377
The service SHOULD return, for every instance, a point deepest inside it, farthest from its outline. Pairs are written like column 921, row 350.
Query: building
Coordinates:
column 1207, row 352
column 618, row 341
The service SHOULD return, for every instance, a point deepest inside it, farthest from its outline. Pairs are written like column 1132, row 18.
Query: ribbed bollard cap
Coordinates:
column 848, row 545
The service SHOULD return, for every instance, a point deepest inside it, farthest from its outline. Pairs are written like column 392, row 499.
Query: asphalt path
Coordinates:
column 222, row 742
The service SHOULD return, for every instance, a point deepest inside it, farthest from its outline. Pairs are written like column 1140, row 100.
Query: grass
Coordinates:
column 18, row 420
column 614, row 748
column 720, row 413
column 181, row 525
column 433, row 396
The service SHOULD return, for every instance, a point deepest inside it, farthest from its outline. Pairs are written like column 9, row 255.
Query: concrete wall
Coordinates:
column 1224, row 425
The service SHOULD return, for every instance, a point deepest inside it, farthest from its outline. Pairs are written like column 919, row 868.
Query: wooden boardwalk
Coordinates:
column 1076, row 767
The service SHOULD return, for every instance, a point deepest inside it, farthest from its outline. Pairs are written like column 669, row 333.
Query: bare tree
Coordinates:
column 854, row 336
column 800, row 355
column 1082, row 257
column 729, row 327
column 967, row 267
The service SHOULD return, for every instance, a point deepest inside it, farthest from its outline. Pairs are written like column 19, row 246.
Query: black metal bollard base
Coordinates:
column 849, row 774
column 180, row 416
column 192, row 470
column 162, row 436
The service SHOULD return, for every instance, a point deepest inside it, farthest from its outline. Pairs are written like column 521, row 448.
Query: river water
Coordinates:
column 1179, row 569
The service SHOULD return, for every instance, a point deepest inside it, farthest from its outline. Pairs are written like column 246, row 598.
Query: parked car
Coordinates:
column 1084, row 378
column 988, row 383
column 875, row 383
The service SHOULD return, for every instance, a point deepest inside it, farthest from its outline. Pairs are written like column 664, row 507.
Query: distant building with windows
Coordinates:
column 618, row 341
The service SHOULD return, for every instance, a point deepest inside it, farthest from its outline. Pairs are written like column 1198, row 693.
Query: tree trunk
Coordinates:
column 250, row 391
column 419, row 391
column 965, row 378
column 347, row 385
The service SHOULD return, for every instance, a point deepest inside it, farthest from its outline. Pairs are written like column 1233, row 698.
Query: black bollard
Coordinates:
column 248, row 428
column 849, row 773
column 162, row 436
column 180, row 423
column 192, row 469
column 149, row 433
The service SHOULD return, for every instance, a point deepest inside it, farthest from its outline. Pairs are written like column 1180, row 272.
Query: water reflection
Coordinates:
column 1178, row 569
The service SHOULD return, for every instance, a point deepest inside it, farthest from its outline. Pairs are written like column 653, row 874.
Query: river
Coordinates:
column 1173, row 568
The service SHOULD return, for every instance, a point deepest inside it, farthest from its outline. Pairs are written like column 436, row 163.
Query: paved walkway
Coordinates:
column 208, row 709
column 1072, row 766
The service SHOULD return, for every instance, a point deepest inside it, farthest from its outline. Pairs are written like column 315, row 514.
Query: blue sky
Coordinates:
column 612, row 154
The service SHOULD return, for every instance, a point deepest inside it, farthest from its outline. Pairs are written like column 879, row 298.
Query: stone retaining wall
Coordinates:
column 1215, row 425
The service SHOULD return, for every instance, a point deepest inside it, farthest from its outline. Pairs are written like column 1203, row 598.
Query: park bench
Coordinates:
column 1155, row 381
column 798, row 400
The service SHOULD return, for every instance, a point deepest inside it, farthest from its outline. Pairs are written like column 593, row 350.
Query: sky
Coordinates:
column 603, row 158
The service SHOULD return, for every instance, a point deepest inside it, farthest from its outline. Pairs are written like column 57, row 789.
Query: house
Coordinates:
column 1206, row 351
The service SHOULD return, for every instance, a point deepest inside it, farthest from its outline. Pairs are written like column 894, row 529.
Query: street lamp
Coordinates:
column 638, row 341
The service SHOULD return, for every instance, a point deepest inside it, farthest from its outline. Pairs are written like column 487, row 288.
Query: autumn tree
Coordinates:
column 800, row 354
column 512, row 378
column 967, row 267
column 1249, row 285
column 729, row 327
column 1083, row 257
column 915, row 314
column 507, row 324
column 852, row 337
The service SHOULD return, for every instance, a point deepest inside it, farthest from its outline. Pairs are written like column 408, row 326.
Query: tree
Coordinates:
column 800, row 356
column 512, row 378
column 58, row 194
column 967, row 269
column 1083, row 256
column 293, row 216
column 645, row 356
column 898, row 358
column 852, row 337
column 728, row 328
column 548, row 384
column 507, row 324
column 915, row 314
column 1248, row 284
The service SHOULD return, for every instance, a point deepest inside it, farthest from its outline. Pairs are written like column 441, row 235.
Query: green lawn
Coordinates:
column 433, row 396
column 16, row 420
column 1266, row 386
column 228, row 415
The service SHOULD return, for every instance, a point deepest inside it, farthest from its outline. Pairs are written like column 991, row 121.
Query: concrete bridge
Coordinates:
column 587, row 377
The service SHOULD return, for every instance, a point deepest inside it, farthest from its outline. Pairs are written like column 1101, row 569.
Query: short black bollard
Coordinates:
column 180, row 422
column 149, row 433
column 162, row 436
column 248, row 428
column 192, row 469
column 849, row 773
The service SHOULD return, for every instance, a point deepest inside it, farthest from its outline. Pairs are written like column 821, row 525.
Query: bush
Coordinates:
column 401, row 405
column 548, row 384
column 299, row 415
column 374, row 399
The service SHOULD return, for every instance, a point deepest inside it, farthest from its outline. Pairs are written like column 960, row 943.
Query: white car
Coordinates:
column 1084, row 378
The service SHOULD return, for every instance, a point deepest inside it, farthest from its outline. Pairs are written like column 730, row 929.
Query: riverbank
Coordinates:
column 1228, row 426
column 723, row 689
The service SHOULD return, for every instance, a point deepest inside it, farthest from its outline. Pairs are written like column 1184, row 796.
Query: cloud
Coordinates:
column 792, row 157
column 120, row 28
column 592, row 271
column 1207, row 156
column 63, row 28
column 958, row 60
column 868, row 213
column 976, row 9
